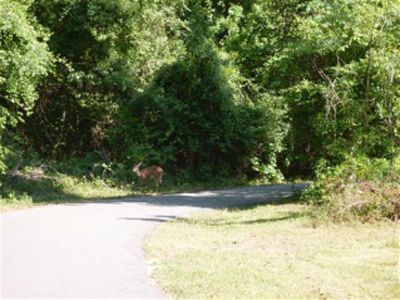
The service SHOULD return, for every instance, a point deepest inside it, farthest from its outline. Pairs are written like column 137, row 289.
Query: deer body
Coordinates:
column 150, row 173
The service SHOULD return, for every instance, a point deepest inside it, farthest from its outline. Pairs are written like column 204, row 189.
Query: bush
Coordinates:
column 24, row 61
column 359, row 189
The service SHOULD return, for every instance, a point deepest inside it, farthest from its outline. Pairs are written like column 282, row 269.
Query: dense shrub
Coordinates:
column 358, row 189
column 190, row 119
column 195, row 118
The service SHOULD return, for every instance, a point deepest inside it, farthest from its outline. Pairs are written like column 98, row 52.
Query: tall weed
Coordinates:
column 360, row 189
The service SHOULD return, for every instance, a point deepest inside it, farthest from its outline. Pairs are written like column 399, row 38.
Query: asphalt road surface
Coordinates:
column 95, row 249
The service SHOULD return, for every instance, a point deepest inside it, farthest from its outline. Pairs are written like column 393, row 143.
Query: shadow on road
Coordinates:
column 233, row 198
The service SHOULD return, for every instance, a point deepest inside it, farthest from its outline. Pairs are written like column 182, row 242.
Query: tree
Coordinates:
column 24, row 61
column 334, row 64
column 107, row 51
column 194, row 116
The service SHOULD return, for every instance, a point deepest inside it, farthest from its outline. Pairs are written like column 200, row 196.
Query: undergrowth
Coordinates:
column 360, row 189
column 32, row 181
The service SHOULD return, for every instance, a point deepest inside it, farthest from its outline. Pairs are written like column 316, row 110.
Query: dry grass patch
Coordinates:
column 273, row 252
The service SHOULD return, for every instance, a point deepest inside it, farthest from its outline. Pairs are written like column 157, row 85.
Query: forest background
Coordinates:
column 208, row 89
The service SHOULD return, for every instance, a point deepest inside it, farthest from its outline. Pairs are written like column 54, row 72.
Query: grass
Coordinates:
column 274, row 251
column 60, row 188
column 36, row 187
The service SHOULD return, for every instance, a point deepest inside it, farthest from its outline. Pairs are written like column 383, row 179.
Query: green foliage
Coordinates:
column 24, row 61
column 260, row 89
column 186, row 120
column 107, row 52
column 194, row 116
column 336, row 66
column 359, row 188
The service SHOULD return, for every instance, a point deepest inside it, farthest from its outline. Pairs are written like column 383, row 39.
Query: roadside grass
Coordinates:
column 274, row 251
column 31, row 181
column 42, row 188
column 54, row 189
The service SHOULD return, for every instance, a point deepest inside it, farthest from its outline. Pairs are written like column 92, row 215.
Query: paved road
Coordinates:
column 94, row 250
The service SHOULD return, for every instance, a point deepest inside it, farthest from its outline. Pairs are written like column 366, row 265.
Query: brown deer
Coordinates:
column 152, row 172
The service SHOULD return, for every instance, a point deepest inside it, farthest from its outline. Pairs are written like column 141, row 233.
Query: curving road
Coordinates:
column 94, row 250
